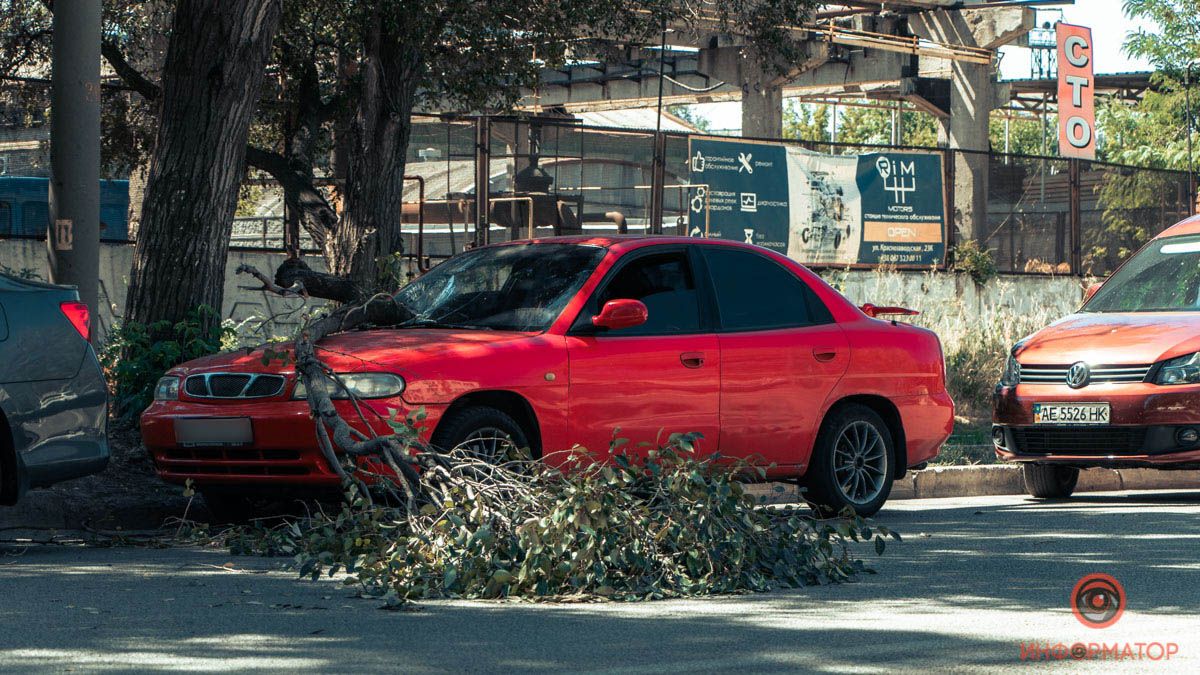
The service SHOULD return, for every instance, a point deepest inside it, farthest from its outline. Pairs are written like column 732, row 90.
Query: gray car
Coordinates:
column 53, row 399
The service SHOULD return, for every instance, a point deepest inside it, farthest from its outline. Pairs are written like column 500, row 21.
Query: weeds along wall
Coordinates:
column 978, row 324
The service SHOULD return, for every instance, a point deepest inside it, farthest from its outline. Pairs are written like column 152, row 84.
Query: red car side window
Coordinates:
column 665, row 284
column 739, row 279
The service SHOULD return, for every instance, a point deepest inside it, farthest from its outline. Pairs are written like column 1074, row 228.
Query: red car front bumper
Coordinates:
column 1147, row 426
column 284, row 450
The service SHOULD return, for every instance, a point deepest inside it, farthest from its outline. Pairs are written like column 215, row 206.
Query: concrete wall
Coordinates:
column 28, row 257
column 934, row 294
column 937, row 292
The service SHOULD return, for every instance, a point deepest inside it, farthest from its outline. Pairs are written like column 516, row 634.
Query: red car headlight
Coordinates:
column 361, row 385
column 167, row 388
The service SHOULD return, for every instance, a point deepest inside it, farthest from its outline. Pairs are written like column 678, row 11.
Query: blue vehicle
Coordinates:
column 25, row 207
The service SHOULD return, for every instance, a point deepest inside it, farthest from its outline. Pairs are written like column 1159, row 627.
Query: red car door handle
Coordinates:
column 824, row 354
column 692, row 359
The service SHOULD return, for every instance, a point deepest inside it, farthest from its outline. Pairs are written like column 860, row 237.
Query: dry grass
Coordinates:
column 977, row 325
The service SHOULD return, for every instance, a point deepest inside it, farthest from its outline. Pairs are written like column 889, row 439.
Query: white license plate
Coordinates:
column 1071, row 413
column 213, row 431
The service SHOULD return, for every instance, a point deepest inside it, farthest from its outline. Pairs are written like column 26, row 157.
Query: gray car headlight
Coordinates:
column 167, row 389
column 1183, row 370
column 1011, row 376
column 361, row 385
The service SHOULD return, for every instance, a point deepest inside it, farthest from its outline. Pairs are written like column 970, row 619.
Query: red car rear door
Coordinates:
column 651, row 380
column 781, row 355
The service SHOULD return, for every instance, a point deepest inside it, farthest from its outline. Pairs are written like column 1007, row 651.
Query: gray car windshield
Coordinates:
column 1163, row 277
column 513, row 288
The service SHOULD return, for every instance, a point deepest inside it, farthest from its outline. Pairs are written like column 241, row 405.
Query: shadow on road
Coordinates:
column 971, row 580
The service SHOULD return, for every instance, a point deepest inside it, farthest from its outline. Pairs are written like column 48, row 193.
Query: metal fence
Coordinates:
column 549, row 177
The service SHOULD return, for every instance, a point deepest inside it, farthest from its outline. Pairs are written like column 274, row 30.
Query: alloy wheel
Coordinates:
column 488, row 444
column 860, row 462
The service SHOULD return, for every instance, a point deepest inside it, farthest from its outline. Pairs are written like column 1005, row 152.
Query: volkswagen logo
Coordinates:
column 1078, row 375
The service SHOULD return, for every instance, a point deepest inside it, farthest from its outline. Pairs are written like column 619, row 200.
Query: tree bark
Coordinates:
column 379, row 134
column 211, row 81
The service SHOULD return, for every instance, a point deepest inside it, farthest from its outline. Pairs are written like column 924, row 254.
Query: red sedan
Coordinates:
column 551, row 344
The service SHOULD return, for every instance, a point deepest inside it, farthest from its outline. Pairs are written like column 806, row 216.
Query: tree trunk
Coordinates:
column 211, row 81
column 374, row 191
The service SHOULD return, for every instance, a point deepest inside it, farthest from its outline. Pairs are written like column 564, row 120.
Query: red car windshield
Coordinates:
column 1162, row 277
column 514, row 288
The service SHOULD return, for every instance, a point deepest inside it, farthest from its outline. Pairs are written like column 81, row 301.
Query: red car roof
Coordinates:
column 1187, row 226
column 626, row 241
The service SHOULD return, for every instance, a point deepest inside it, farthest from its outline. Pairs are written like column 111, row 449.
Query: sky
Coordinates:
column 1105, row 18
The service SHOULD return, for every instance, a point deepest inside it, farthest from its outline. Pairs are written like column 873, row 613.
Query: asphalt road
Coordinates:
column 974, row 579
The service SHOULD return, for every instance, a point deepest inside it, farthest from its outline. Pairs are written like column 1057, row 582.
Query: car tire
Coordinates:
column 846, row 469
column 490, row 429
column 1046, row 481
column 231, row 508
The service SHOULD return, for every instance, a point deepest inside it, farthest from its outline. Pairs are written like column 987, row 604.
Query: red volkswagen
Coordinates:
column 1116, row 384
column 550, row 344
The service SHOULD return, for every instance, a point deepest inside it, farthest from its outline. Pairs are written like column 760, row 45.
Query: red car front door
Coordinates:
column 781, row 355
column 651, row 380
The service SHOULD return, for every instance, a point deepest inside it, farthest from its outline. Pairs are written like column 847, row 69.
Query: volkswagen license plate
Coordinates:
column 1071, row 413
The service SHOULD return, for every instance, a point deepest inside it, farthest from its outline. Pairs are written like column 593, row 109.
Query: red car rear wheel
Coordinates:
column 851, row 465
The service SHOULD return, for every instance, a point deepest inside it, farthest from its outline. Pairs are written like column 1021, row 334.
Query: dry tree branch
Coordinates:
column 334, row 432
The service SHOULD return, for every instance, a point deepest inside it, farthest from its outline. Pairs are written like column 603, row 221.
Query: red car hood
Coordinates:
column 389, row 349
column 1112, row 338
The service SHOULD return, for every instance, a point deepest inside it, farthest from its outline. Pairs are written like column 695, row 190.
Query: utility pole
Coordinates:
column 658, row 168
column 1187, row 94
column 73, row 240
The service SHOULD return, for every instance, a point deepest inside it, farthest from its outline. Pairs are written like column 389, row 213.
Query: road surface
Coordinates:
column 974, row 579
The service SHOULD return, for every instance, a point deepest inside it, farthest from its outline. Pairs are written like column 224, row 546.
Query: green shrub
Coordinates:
column 974, row 260
column 135, row 355
column 667, row 524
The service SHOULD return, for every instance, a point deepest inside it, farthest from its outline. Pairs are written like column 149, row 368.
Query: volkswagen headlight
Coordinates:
column 1011, row 376
column 361, row 385
column 167, row 389
column 1183, row 370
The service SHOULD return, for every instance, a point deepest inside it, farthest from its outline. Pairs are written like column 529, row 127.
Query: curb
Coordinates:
column 998, row 479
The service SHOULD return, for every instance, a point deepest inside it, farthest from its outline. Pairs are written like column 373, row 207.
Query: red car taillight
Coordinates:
column 79, row 316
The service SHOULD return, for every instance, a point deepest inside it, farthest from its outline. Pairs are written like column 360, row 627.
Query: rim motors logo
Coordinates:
column 1098, row 600
column 899, row 177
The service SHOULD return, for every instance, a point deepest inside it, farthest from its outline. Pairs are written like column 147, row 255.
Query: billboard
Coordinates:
column 1076, row 92
column 884, row 208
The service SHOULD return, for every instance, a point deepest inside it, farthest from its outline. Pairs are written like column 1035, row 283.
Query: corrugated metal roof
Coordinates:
column 635, row 118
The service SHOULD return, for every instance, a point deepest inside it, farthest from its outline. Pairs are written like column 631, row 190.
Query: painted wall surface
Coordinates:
column 28, row 257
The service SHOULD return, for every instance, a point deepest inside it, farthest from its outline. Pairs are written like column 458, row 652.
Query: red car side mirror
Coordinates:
column 1091, row 290
column 621, row 313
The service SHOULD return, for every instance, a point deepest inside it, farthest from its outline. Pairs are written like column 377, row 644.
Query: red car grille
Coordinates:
column 1108, row 440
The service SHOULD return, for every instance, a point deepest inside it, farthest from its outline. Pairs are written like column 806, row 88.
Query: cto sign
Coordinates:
column 1076, row 92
